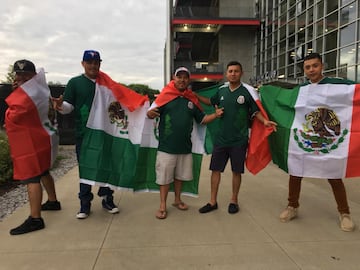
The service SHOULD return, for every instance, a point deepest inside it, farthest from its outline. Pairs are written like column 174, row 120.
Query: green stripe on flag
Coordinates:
column 279, row 104
column 108, row 159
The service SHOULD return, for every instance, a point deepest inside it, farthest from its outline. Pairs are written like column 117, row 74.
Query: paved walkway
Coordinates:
column 134, row 239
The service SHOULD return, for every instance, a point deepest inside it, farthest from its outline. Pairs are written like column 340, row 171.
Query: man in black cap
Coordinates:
column 78, row 96
column 20, row 120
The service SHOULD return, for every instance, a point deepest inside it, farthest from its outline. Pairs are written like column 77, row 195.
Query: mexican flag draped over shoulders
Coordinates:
column 112, row 139
column 145, row 173
column 31, row 128
column 318, row 128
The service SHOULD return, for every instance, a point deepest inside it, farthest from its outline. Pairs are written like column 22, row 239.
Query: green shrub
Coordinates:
column 6, row 169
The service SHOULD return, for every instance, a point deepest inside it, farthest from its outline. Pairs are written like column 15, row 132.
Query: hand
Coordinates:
column 153, row 113
column 269, row 123
column 57, row 103
column 219, row 111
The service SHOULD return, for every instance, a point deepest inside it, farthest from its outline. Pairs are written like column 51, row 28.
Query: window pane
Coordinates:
column 347, row 34
column 331, row 6
column 330, row 60
column 348, row 14
column 320, row 9
column 331, row 41
column 348, row 56
column 347, row 73
column 331, row 22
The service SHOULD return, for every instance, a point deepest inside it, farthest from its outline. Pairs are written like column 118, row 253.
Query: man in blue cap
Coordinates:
column 78, row 97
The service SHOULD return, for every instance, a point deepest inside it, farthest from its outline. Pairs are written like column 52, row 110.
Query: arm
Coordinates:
column 202, row 99
column 266, row 122
column 62, row 106
column 152, row 113
column 211, row 117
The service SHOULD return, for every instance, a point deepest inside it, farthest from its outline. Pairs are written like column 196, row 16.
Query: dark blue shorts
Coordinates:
column 35, row 179
column 221, row 155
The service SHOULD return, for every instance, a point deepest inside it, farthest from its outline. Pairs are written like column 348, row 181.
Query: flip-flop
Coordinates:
column 160, row 214
column 181, row 206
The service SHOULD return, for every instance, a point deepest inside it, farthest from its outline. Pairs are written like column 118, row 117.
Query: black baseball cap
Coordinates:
column 24, row 65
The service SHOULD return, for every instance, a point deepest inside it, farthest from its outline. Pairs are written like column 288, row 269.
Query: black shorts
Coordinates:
column 221, row 155
column 35, row 179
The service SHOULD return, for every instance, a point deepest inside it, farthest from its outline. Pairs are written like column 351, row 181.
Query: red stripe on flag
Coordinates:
column 353, row 168
column 258, row 155
column 29, row 142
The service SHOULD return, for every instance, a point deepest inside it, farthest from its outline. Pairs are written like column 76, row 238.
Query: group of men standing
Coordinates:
column 177, row 107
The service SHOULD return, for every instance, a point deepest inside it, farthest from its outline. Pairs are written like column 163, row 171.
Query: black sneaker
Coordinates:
column 29, row 225
column 108, row 205
column 51, row 206
column 208, row 208
column 233, row 208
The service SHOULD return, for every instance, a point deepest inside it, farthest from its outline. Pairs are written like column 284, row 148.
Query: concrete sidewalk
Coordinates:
column 134, row 239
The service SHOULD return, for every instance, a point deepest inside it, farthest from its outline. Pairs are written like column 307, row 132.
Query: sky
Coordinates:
column 130, row 36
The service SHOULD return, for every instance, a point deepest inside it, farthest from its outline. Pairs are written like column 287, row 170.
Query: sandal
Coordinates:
column 181, row 206
column 161, row 214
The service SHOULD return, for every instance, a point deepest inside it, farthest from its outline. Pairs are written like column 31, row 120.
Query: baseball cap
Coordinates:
column 91, row 55
column 182, row 69
column 24, row 66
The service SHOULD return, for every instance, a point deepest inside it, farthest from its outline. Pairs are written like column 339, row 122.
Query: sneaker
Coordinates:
column 30, row 224
column 288, row 214
column 346, row 223
column 109, row 206
column 208, row 208
column 82, row 215
column 233, row 208
column 51, row 206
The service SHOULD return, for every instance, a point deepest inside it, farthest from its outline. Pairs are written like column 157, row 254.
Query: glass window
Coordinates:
column 320, row 9
column 291, row 25
column 283, row 7
column 291, row 40
column 331, row 41
column 290, row 71
column 282, row 60
column 309, row 32
column 319, row 28
column 348, row 14
column 310, row 15
column 344, row 2
column 301, row 21
column 311, row 2
column 331, row 6
column 347, row 34
column 331, row 22
column 292, row 13
column 301, row 35
column 348, row 56
column 283, row 46
column 347, row 72
column 330, row 60
column 319, row 45
column 282, row 32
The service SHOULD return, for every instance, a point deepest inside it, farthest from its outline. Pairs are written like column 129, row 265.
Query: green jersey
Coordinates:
column 80, row 92
column 176, row 124
column 239, row 107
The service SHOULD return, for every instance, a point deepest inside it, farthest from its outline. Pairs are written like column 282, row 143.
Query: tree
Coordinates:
column 10, row 76
column 144, row 89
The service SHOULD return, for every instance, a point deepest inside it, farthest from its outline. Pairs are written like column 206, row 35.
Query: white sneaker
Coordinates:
column 346, row 223
column 81, row 215
column 288, row 214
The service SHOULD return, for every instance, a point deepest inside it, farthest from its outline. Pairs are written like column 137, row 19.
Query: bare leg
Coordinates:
column 236, row 182
column 215, row 182
column 294, row 191
column 49, row 185
column 35, row 198
column 164, row 190
column 177, row 190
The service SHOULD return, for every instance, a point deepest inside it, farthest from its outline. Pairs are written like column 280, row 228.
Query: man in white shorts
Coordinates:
column 176, row 106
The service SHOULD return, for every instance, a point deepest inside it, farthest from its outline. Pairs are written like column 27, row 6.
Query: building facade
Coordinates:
column 204, row 35
column 269, row 37
column 291, row 29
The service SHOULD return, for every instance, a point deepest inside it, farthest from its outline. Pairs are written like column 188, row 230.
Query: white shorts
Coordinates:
column 173, row 166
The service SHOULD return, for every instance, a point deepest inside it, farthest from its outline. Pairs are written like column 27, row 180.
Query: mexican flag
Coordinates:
column 145, row 173
column 258, row 154
column 112, row 140
column 31, row 128
column 318, row 128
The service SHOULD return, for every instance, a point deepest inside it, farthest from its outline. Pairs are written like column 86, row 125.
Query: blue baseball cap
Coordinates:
column 91, row 55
